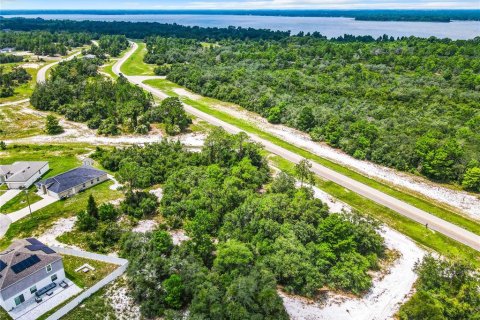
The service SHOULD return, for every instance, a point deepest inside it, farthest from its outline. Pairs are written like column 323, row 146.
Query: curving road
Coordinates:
column 42, row 73
column 450, row 230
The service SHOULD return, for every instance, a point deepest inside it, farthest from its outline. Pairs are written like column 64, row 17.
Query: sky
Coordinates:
column 239, row 4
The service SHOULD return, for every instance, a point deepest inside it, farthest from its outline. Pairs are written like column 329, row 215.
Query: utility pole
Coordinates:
column 28, row 200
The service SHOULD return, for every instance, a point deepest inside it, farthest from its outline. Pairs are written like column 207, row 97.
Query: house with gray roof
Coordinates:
column 72, row 182
column 22, row 174
column 28, row 269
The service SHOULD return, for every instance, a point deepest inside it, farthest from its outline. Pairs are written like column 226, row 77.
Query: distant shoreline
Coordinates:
column 444, row 16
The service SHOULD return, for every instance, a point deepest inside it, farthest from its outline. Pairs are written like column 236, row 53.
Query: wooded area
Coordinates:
column 248, row 232
column 412, row 104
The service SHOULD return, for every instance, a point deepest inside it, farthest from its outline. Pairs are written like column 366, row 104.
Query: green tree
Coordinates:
column 3, row 145
column 86, row 222
column 162, row 241
column 92, row 209
column 171, row 113
column 303, row 172
column 471, row 179
column 52, row 125
column 174, row 291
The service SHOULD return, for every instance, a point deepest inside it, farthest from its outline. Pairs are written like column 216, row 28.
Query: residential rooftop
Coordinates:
column 70, row 179
column 21, row 171
column 23, row 258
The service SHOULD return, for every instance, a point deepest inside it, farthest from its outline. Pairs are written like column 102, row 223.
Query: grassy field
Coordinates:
column 134, row 66
column 205, row 105
column 20, row 201
column 36, row 223
column 108, row 69
column 18, row 123
column 25, row 90
column 416, row 231
column 61, row 157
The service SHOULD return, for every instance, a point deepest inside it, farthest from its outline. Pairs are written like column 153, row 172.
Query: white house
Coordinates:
column 22, row 174
column 28, row 269
column 72, row 182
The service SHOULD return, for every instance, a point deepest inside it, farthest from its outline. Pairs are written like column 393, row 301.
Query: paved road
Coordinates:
column 461, row 235
column 42, row 73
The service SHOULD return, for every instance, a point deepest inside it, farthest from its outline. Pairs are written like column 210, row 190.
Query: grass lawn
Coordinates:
column 20, row 201
column 134, row 66
column 17, row 124
column 36, row 223
column 108, row 69
column 428, row 205
column 416, row 231
column 60, row 157
column 95, row 307
column 25, row 90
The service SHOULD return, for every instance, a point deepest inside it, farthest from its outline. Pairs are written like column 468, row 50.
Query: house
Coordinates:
column 22, row 174
column 89, row 56
column 27, row 269
column 7, row 50
column 72, row 182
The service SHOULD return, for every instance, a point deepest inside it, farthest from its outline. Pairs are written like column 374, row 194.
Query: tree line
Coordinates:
column 44, row 42
column 139, row 30
column 411, row 104
column 248, row 232
column 10, row 58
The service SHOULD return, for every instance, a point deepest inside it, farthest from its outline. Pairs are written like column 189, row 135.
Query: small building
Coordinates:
column 28, row 268
column 7, row 50
column 72, row 182
column 22, row 174
column 89, row 56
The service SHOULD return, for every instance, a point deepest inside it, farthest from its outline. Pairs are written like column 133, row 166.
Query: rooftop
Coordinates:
column 21, row 171
column 23, row 258
column 70, row 179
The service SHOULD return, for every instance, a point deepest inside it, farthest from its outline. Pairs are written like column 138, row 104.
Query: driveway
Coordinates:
column 17, row 215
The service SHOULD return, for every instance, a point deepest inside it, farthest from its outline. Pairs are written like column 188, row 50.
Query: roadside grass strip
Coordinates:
column 416, row 200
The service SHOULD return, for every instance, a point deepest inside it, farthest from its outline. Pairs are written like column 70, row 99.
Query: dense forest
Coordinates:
column 412, row 104
column 248, row 232
column 10, row 58
column 446, row 290
column 43, row 42
column 139, row 30
column 76, row 90
column 9, row 80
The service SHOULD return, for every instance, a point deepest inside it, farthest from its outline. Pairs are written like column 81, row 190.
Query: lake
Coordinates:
column 330, row 27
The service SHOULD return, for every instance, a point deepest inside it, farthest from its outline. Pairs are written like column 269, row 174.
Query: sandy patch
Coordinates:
column 157, row 192
column 178, row 236
column 464, row 201
column 60, row 227
column 124, row 306
column 116, row 185
column 186, row 93
column 145, row 226
column 30, row 65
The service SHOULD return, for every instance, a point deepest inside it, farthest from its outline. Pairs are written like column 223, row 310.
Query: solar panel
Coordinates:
column 3, row 265
column 42, row 247
column 48, row 250
column 25, row 264
column 35, row 242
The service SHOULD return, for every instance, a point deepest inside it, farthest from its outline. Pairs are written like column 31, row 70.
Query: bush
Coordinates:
column 52, row 126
